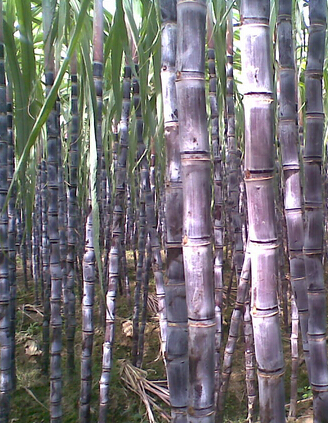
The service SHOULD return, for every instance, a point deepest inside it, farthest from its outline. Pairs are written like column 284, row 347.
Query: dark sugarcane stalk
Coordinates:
column 295, row 357
column 153, row 256
column 124, row 272
column 62, row 219
column 197, row 228
column 259, row 167
column 53, row 138
column 142, row 232
column 38, row 233
column 147, row 226
column 6, row 382
column 233, row 159
column 218, row 204
column 250, row 362
column 23, row 245
column 45, row 246
column 108, row 227
column 55, row 265
column 11, row 233
column 136, row 219
column 35, row 253
column 62, row 212
column 313, row 240
column 72, row 223
column 129, row 218
column 142, row 227
column 153, row 168
column 117, row 233
column 87, row 321
column 235, row 323
column 145, row 289
column 288, row 137
column 98, row 65
column 175, row 290
column 156, row 258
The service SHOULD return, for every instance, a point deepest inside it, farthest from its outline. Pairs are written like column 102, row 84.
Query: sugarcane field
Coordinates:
column 163, row 211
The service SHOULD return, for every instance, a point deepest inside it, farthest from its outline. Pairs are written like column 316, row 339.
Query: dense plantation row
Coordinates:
column 170, row 131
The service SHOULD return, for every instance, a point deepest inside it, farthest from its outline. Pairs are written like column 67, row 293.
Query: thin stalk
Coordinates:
column 236, row 318
column 5, row 336
column 218, row 204
column 117, row 233
column 72, row 217
column 53, row 138
column 11, row 235
column 87, row 322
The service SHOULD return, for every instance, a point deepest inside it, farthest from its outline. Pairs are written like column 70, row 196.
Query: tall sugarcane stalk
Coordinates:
column 98, row 65
column 72, row 221
column 218, row 203
column 145, row 291
column 87, row 321
column 35, row 250
column 11, row 233
column 142, row 237
column 117, row 233
column 142, row 227
column 175, row 291
column 5, row 303
column 53, row 138
column 259, row 167
column 197, row 228
column 233, row 158
column 288, row 138
column 313, row 240
column 45, row 247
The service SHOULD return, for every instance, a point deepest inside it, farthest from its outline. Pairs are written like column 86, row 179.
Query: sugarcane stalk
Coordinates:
column 87, row 322
column 313, row 239
column 218, row 203
column 98, row 65
column 288, row 138
column 53, row 138
column 5, row 300
column 259, row 167
column 117, row 233
column 145, row 290
column 45, row 270
column 11, row 233
column 72, row 221
column 197, row 228
column 295, row 357
column 175, row 290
